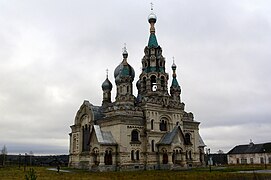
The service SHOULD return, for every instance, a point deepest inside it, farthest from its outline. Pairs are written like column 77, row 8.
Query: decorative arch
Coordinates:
column 187, row 138
column 108, row 157
column 153, row 83
column 177, row 155
column 95, row 152
column 134, row 135
column 165, row 156
column 85, row 137
column 163, row 125
column 85, row 109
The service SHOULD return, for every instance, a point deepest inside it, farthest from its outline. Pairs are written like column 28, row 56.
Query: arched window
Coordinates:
column 187, row 138
column 152, row 124
column 201, row 155
column 95, row 156
column 144, row 83
column 152, row 146
column 137, row 155
column 174, row 157
column 163, row 125
column 165, row 158
column 190, row 155
column 153, row 83
column 108, row 157
column 132, row 155
column 134, row 135
column 86, row 136
column 163, row 82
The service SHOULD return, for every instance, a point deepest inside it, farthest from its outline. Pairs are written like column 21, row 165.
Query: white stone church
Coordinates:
column 150, row 131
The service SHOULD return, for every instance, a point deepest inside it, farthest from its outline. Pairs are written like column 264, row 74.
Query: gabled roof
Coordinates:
column 169, row 136
column 104, row 137
column 201, row 142
column 251, row 148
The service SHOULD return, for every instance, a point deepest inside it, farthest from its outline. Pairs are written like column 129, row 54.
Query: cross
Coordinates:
column 106, row 73
column 151, row 6
column 124, row 49
column 173, row 59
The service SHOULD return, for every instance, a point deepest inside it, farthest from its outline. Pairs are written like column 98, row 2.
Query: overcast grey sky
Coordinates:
column 54, row 55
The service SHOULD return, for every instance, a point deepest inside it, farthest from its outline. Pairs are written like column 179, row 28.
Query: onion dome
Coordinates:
column 152, row 39
column 107, row 85
column 124, row 69
column 174, row 67
column 152, row 18
column 174, row 80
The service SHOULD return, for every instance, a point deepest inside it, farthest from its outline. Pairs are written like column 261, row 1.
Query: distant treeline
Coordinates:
column 31, row 160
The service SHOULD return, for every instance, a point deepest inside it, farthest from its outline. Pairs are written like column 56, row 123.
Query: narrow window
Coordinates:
column 153, row 83
column 137, row 155
column 187, row 138
column 152, row 124
column 163, row 125
column 144, row 83
column 132, row 155
column 152, row 146
column 190, row 155
column 174, row 157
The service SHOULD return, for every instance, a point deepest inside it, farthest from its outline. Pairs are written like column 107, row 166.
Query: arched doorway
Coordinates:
column 165, row 158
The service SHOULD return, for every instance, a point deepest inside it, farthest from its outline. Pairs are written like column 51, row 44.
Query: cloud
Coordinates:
column 54, row 55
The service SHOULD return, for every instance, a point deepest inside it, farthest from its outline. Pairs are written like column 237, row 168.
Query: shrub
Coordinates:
column 31, row 175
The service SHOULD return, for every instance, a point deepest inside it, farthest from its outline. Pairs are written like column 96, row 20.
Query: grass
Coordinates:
column 229, row 173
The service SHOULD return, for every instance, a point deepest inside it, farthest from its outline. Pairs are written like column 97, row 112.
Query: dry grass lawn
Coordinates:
column 7, row 173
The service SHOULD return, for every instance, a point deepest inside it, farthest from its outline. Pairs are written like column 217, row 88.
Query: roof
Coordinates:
column 201, row 142
column 152, row 41
column 104, row 137
column 169, row 136
column 251, row 148
column 97, row 112
column 175, row 83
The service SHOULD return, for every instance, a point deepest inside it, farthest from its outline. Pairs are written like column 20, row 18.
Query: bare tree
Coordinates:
column 4, row 153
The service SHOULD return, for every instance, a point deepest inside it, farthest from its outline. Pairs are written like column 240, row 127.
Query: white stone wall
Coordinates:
column 249, row 158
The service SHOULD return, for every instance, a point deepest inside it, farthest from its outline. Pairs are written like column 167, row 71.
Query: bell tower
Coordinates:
column 124, row 76
column 153, row 78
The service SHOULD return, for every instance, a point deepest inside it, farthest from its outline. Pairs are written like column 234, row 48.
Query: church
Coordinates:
column 149, row 131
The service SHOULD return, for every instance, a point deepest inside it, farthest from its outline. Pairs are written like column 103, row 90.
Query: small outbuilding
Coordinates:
column 250, row 154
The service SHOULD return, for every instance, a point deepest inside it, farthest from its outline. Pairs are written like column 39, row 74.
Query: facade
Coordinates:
column 250, row 154
column 150, row 131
